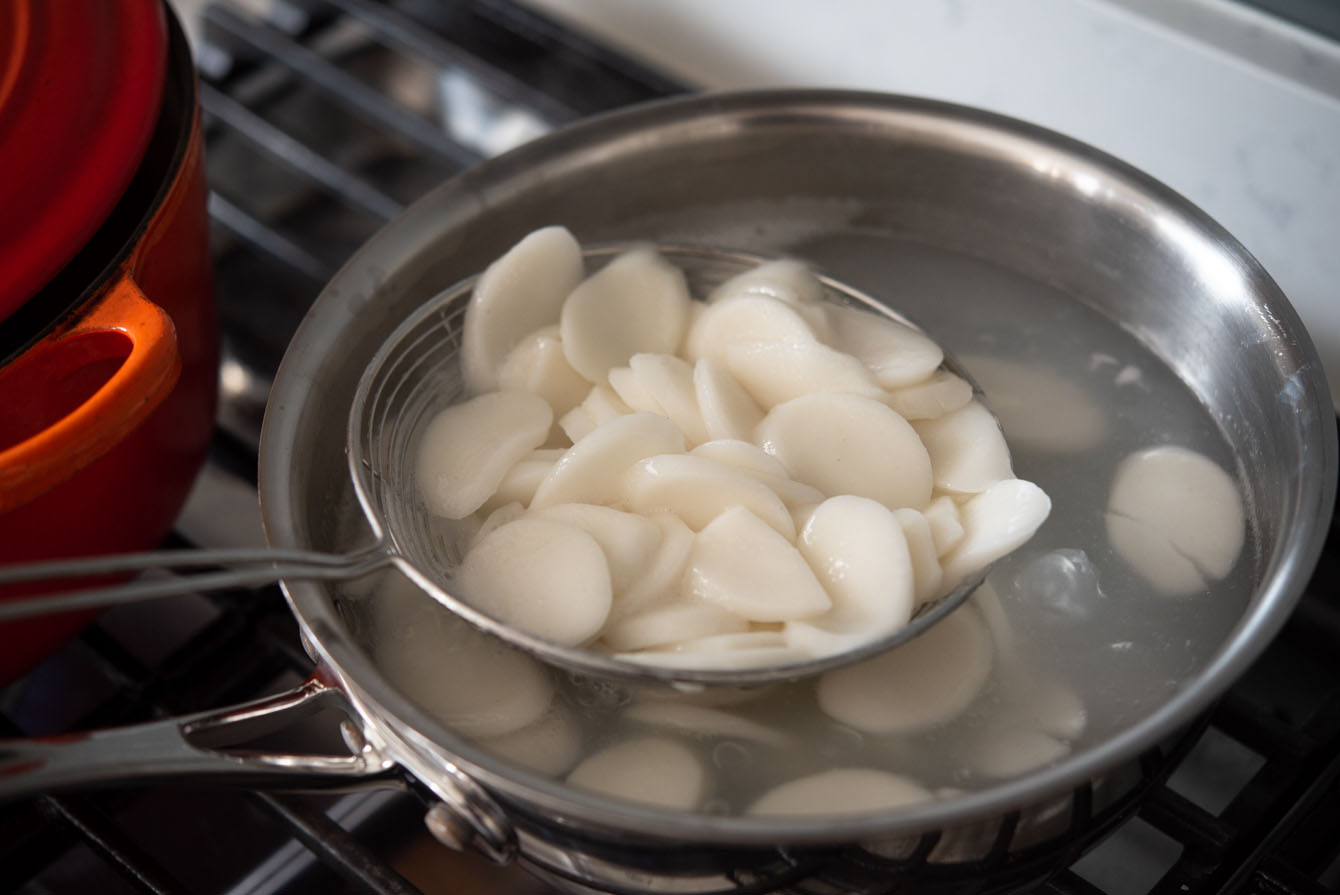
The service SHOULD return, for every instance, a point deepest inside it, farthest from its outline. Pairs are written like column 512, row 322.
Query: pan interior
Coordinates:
column 1075, row 616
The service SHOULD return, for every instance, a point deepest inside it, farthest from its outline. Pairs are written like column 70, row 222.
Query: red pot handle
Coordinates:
column 122, row 323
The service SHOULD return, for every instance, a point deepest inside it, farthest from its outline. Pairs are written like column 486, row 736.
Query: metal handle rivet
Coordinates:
column 447, row 827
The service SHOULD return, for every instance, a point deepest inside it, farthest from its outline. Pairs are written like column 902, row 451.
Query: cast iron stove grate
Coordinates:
column 324, row 118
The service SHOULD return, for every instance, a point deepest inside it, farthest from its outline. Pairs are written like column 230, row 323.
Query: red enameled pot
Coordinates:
column 108, row 330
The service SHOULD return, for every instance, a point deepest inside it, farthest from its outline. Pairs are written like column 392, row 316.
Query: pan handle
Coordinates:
column 243, row 567
column 195, row 749
column 191, row 749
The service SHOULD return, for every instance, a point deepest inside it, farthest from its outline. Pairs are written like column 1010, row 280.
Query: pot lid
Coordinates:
column 80, row 89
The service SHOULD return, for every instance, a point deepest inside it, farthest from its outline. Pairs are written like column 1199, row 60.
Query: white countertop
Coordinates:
column 1237, row 110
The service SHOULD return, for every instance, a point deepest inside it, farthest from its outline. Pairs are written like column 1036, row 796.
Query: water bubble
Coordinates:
column 1062, row 583
column 1129, row 375
column 593, row 693
column 731, row 756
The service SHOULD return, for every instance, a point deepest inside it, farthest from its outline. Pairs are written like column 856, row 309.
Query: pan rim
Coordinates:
column 1285, row 572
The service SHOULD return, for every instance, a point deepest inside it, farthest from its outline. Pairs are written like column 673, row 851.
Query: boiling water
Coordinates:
column 1077, row 394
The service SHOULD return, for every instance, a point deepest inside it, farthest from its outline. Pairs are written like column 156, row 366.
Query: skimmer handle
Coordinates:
column 216, row 570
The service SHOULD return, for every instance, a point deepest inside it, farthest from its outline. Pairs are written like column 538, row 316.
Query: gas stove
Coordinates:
column 325, row 118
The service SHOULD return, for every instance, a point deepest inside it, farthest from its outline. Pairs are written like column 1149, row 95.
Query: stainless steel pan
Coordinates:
column 848, row 180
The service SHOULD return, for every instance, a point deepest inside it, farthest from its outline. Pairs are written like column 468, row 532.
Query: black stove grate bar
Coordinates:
column 1316, row 620
column 33, row 840
column 338, row 84
column 1194, row 827
column 338, row 850
column 402, row 32
column 1284, row 880
column 1260, row 730
column 297, row 155
column 268, row 241
column 104, row 836
column 1311, row 780
column 609, row 79
column 1068, row 882
column 195, row 676
column 1280, row 833
column 117, row 663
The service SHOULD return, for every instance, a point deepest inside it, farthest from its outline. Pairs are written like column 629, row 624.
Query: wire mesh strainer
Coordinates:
column 414, row 375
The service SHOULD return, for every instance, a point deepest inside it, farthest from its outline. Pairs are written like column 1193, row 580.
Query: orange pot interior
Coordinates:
column 50, row 382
